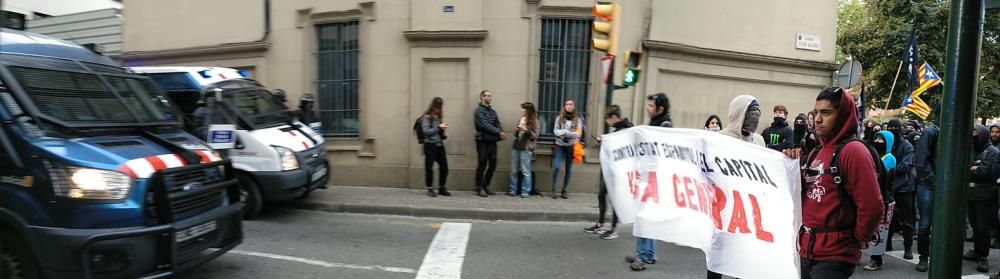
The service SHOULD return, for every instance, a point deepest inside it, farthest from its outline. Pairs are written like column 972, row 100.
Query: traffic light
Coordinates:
column 632, row 70
column 611, row 13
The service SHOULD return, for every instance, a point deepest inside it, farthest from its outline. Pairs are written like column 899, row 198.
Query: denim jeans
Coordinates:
column 645, row 249
column 520, row 164
column 925, row 205
column 563, row 156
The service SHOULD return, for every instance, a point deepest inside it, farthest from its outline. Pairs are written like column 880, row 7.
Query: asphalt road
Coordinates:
column 286, row 243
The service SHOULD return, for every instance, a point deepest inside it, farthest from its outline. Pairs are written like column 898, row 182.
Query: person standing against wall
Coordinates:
column 488, row 133
column 524, row 147
column 433, row 128
column 568, row 129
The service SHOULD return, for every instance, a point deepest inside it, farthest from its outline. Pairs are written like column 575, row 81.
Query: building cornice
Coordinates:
column 199, row 50
column 654, row 45
column 565, row 11
column 432, row 38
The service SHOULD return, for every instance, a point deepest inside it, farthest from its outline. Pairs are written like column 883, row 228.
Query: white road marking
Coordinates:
column 976, row 276
column 323, row 263
column 447, row 252
column 899, row 255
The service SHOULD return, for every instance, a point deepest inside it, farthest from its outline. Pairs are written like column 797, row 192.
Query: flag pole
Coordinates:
column 887, row 101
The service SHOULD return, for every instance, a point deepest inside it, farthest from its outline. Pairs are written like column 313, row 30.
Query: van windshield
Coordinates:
column 83, row 100
column 257, row 107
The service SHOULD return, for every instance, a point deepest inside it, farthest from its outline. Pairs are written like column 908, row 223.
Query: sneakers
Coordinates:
column 444, row 192
column 632, row 259
column 970, row 256
column 983, row 266
column 564, row 196
column 609, row 235
column 637, row 265
column 873, row 265
column 593, row 229
column 922, row 266
column 511, row 194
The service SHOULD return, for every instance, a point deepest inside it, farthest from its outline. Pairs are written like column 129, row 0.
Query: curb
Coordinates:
column 438, row 212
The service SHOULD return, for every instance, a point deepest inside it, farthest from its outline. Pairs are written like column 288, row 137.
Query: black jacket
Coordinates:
column 903, row 180
column 622, row 125
column 779, row 136
column 662, row 120
column 983, row 181
column 925, row 156
column 487, row 122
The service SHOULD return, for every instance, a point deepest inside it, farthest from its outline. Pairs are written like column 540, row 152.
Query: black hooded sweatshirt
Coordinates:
column 983, row 181
column 800, row 130
column 925, row 156
column 779, row 136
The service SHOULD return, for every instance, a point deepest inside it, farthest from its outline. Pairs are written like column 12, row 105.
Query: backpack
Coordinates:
column 847, row 205
column 418, row 129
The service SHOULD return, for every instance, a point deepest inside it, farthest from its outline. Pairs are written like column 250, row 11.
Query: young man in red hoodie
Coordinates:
column 837, row 223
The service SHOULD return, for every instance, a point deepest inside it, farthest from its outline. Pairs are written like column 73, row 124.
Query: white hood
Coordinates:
column 289, row 138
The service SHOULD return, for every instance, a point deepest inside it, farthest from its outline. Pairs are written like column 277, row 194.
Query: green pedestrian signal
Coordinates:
column 631, row 76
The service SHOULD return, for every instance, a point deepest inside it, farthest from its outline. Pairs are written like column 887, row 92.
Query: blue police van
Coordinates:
column 98, row 179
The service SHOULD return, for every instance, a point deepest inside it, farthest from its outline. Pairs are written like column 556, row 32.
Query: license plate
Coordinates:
column 196, row 231
column 320, row 172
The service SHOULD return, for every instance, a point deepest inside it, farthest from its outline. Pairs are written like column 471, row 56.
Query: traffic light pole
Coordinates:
column 961, row 76
column 609, row 89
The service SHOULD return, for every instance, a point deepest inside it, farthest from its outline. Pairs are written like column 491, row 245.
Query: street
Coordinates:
column 286, row 243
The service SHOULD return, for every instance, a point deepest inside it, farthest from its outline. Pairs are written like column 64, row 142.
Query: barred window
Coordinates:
column 564, row 69
column 337, row 78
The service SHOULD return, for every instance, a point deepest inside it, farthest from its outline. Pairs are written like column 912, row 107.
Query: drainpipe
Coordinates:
column 267, row 21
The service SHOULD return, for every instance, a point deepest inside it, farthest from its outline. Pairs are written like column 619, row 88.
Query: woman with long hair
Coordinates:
column 525, row 138
column 713, row 123
column 433, row 129
column 568, row 130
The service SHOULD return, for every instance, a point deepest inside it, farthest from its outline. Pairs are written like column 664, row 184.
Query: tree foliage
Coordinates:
column 875, row 32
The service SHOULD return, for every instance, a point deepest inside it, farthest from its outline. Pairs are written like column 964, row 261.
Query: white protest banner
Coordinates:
column 738, row 202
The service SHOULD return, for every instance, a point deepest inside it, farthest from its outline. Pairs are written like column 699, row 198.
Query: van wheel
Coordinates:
column 250, row 196
column 16, row 261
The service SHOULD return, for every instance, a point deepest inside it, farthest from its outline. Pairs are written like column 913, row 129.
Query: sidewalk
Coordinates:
column 460, row 205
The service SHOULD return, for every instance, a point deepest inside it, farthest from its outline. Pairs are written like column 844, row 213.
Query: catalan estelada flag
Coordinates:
column 917, row 106
column 927, row 79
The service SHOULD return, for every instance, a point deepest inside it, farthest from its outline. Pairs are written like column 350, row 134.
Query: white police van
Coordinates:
column 276, row 157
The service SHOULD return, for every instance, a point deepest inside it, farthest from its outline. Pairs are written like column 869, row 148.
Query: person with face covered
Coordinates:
column 882, row 142
column 779, row 135
column 903, row 188
column 982, row 195
column 744, row 116
column 713, row 123
column 800, row 129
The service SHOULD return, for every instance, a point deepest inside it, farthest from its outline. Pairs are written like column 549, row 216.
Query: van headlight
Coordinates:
column 287, row 158
column 88, row 183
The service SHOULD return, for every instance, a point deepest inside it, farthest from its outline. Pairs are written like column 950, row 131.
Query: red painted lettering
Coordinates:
column 718, row 204
column 632, row 187
column 651, row 189
column 739, row 218
column 689, row 192
column 703, row 199
column 678, row 197
column 758, row 224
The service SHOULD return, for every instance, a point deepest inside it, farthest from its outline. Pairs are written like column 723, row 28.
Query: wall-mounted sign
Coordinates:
column 449, row 9
column 808, row 42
